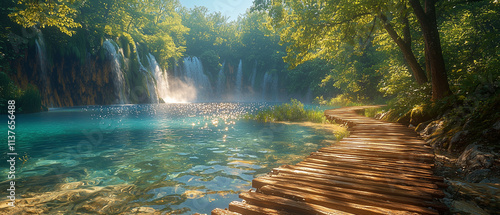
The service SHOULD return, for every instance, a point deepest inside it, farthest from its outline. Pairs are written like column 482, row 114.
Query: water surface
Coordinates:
column 168, row 158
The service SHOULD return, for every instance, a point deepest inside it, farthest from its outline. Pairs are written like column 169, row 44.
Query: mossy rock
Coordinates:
column 421, row 113
column 391, row 116
column 405, row 119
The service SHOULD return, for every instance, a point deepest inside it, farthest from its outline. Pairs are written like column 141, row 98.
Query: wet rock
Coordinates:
column 431, row 128
column 477, row 175
column 473, row 158
column 458, row 137
column 464, row 207
column 496, row 126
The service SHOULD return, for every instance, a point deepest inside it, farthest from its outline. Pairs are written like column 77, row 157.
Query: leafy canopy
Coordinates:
column 43, row 13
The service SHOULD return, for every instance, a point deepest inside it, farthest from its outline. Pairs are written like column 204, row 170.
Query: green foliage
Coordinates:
column 341, row 100
column 293, row 111
column 27, row 101
column 399, row 85
column 372, row 112
column 8, row 90
column 44, row 13
column 208, row 31
column 210, row 61
column 469, row 34
column 309, row 75
column 30, row 100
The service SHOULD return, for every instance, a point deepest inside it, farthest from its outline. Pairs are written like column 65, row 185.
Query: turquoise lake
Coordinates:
column 164, row 158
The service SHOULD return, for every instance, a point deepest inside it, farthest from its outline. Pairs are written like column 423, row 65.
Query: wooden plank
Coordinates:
column 355, row 208
column 347, row 157
column 389, row 190
column 288, row 205
column 327, row 175
column 409, row 142
column 219, row 211
column 380, row 162
column 394, row 144
column 348, row 195
column 374, row 166
column 409, row 157
column 395, row 177
column 386, row 151
column 248, row 209
column 387, row 146
column 364, row 178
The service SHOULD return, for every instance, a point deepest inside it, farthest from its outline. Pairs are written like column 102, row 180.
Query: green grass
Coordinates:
column 293, row 112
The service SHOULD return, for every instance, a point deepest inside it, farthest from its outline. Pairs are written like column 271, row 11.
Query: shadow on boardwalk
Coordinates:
column 381, row 168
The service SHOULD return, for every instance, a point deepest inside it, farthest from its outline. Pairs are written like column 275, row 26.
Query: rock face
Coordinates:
column 68, row 81
column 473, row 158
column 473, row 175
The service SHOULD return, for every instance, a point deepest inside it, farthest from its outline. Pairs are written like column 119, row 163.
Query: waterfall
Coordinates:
column 221, row 80
column 118, row 78
column 239, row 80
column 196, row 77
column 275, row 87
column 150, row 84
column 265, row 83
column 309, row 95
column 161, row 78
column 254, row 74
column 40, row 52
column 42, row 61
column 270, row 87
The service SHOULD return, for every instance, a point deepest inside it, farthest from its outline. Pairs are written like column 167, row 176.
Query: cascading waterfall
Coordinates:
column 239, row 80
column 265, row 83
column 42, row 61
column 40, row 52
column 275, row 87
column 196, row 77
column 161, row 78
column 309, row 94
column 221, row 80
column 254, row 75
column 118, row 77
column 150, row 83
column 270, row 87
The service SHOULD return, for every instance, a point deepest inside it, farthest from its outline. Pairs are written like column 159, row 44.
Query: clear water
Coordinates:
column 176, row 158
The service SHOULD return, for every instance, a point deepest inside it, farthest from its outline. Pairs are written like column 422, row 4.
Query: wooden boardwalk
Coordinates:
column 381, row 168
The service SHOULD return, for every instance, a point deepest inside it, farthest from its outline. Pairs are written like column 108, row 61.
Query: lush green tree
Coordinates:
column 470, row 34
column 324, row 28
column 258, row 42
column 43, row 13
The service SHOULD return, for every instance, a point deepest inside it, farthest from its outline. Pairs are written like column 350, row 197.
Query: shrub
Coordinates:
column 30, row 101
column 293, row 111
column 341, row 100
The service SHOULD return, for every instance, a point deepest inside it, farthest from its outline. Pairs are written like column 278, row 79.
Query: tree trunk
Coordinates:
column 405, row 47
column 427, row 20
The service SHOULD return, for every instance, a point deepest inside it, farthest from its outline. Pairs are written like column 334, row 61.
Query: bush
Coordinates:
column 341, row 100
column 293, row 111
column 28, row 101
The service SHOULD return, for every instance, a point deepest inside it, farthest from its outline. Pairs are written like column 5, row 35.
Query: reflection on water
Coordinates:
column 175, row 158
